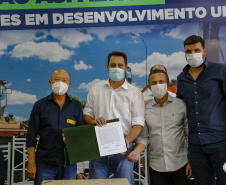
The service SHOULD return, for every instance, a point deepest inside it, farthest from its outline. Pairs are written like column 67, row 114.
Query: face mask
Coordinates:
column 116, row 74
column 59, row 88
column 195, row 59
column 159, row 90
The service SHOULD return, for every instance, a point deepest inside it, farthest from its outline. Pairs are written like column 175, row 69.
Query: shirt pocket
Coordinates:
column 176, row 119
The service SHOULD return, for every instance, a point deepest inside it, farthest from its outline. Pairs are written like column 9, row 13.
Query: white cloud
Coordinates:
column 137, row 86
column 81, row 66
column 87, row 86
column 18, row 36
column 174, row 64
column 51, row 51
column 103, row 32
column 183, row 31
column 20, row 119
column 136, row 41
column 28, row 80
column 70, row 37
column 18, row 97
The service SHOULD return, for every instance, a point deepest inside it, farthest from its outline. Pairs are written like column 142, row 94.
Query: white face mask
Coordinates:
column 159, row 90
column 194, row 59
column 116, row 74
column 59, row 88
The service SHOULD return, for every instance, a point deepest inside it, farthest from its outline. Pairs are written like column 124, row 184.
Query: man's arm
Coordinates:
column 141, row 143
column 31, row 169
column 31, row 141
column 133, row 134
column 135, row 154
column 137, row 113
column 188, row 167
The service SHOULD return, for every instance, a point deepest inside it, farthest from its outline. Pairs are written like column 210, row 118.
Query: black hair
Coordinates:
column 117, row 53
column 193, row 39
column 158, row 71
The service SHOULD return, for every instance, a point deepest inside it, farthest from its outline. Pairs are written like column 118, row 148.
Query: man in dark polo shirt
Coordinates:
column 202, row 85
column 48, row 117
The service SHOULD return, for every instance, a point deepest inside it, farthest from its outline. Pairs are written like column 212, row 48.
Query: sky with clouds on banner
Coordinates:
column 28, row 57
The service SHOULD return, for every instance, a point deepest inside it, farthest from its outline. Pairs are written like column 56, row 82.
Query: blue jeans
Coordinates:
column 207, row 163
column 118, row 164
column 46, row 172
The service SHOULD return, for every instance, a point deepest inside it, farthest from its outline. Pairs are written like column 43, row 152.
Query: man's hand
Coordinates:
column 133, row 156
column 63, row 137
column 31, row 171
column 100, row 121
column 188, row 171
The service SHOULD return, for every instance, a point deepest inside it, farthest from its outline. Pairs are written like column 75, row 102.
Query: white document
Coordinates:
column 110, row 139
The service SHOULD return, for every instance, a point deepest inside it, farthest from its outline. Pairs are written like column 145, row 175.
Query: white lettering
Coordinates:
column 149, row 15
column 30, row 19
column 140, row 15
column 78, row 18
column 179, row 13
column 190, row 10
column 131, row 18
column 88, row 17
column 224, row 11
column 124, row 16
column 158, row 14
column 200, row 12
column 99, row 17
column 5, row 20
column 213, row 12
column 68, row 18
column 169, row 14
column 57, row 18
column 41, row 19
column 110, row 17
column 16, row 20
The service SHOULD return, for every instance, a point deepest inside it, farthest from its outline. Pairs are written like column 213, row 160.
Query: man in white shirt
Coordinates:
column 115, row 98
column 165, row 130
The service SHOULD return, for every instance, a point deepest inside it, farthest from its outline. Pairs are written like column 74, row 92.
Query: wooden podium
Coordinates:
column 87, row 182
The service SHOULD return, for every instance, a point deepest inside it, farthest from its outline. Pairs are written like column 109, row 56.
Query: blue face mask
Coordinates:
column 116, row 74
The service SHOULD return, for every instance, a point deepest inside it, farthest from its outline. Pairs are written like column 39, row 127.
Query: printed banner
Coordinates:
column 49, row 4
column 48, row 14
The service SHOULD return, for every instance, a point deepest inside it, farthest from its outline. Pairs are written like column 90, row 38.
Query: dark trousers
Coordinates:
column 207, row 162
column 177, row 177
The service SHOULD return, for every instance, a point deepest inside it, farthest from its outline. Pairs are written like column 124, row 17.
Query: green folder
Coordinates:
column 81, row 142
